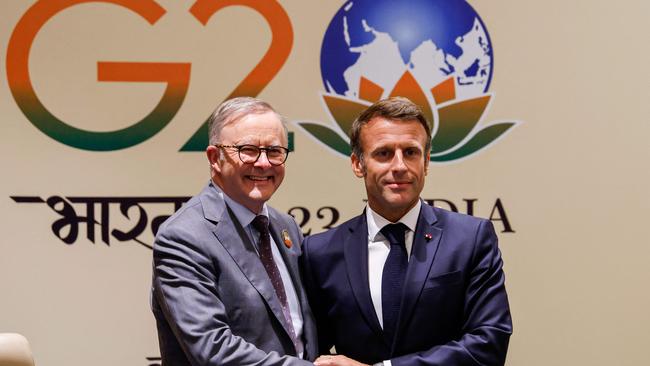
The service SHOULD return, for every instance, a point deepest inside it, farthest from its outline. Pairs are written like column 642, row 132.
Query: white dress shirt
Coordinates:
column 378, row 249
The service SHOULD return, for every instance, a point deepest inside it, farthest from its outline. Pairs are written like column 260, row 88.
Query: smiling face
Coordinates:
column 394, row 165
column 250, row 184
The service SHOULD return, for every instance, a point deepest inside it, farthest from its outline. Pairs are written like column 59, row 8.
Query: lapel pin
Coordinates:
column 427, row 236
column 286, row 239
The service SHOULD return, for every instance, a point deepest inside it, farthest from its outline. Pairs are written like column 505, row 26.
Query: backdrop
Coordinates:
column 540, row 119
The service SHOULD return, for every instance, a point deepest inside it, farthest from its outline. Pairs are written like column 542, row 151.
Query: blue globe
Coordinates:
column 381, row 39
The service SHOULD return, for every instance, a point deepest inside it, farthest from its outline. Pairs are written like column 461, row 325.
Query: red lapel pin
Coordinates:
column 427, row 236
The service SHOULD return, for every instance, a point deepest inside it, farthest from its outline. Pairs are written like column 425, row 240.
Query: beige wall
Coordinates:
column 573, row 176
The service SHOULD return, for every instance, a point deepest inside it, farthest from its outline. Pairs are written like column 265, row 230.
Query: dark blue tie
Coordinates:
column 393, row 277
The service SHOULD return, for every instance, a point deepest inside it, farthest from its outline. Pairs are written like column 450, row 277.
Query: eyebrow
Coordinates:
column 392, row 146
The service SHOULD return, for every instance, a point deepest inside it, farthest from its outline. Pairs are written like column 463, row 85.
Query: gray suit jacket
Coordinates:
column 213, row 301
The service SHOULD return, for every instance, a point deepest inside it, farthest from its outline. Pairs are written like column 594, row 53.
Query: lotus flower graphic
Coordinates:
column 457, row 131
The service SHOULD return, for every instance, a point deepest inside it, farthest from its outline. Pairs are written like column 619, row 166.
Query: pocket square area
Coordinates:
column 449, row 278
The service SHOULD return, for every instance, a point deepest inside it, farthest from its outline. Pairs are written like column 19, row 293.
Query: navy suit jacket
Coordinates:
column 454, row 308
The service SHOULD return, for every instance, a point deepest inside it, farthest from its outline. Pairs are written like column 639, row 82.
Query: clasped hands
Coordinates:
column 337, row 360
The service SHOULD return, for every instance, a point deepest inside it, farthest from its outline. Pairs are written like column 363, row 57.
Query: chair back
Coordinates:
column 15, row 350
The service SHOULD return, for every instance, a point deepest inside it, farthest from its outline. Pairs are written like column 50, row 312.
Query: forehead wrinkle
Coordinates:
column 237, row 117
column 268, row 135
column 394, row 141
column 258, row 139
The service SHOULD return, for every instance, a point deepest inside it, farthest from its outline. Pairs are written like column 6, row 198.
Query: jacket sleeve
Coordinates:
column 184, row 287
column 487, row 325
column 325, row 340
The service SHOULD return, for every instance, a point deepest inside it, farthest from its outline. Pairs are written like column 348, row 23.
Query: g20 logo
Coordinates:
column 175, row 75
column 435, row 52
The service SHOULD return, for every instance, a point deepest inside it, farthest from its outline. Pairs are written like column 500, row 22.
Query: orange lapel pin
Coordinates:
column 286, row 239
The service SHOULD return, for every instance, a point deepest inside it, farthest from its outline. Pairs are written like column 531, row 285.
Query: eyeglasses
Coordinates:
column 249, row 154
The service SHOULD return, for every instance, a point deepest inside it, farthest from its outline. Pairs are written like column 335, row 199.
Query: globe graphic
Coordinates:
column 381, row 39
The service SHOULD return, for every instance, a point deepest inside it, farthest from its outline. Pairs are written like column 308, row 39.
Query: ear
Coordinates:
column 357, row 166
column 212, row 152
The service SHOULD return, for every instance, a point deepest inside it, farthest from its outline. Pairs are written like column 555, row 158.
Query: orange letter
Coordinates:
column 176, row 75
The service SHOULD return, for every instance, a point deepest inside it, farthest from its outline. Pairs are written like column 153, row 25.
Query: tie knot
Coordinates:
column 261, row 224
column 395, row 233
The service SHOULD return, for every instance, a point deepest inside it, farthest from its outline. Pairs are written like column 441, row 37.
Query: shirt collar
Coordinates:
column 243, row 214
column 376, row 222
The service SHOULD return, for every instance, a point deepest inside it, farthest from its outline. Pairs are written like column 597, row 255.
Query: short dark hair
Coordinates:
column 395, row 109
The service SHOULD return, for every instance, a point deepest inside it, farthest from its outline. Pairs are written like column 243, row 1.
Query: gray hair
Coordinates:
column 232, row 110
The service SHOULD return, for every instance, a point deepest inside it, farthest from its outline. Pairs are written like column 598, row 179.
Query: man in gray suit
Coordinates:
column 226, row 286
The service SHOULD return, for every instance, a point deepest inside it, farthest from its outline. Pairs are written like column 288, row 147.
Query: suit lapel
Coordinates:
column 290, row 256
column 356, row 259
column 234, row 239
column 290, row 259
column 423, row 252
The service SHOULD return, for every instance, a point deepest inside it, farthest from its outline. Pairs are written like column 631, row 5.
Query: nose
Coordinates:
column 263, row 160
column 398, row 161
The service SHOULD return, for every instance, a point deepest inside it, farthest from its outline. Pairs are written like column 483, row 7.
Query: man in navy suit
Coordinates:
column 405, row 283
